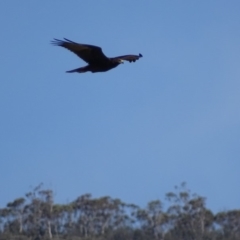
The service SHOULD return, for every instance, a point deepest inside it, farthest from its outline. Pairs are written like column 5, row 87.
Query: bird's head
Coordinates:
column 120, row 61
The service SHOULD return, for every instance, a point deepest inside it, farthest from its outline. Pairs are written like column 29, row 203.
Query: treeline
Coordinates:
column 184, row 216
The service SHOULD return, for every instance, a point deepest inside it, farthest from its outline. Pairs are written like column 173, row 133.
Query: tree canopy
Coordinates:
column 182, row 216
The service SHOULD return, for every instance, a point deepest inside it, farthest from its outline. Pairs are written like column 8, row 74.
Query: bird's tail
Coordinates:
column 79, row 70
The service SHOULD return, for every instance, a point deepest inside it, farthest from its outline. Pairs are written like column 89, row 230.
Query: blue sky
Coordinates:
column 136, row 131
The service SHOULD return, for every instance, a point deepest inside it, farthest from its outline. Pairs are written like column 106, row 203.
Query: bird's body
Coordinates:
column 96, row 67
column 93, row 55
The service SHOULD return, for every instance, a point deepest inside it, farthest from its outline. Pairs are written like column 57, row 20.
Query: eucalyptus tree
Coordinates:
column 152, row 219
column 16, row 210
column 188, row 216
column 229, row 224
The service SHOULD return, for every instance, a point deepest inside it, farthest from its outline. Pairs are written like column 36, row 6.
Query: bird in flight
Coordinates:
column 93, row 55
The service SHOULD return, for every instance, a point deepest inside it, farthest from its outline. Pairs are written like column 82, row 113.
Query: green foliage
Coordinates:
column 37, row 217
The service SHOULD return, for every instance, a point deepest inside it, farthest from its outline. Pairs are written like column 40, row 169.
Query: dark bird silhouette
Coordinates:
column 93, row 55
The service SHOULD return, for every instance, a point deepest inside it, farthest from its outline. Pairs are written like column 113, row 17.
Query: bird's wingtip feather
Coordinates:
column 68, row 40
column 56, row 41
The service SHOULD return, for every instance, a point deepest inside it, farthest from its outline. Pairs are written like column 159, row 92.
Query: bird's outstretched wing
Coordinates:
column 130, row 58
column 89, row 53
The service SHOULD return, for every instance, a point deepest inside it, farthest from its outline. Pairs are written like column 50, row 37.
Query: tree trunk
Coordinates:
column 49, row 229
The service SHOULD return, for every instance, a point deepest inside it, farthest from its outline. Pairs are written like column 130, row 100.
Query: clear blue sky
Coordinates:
column 136, row 131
